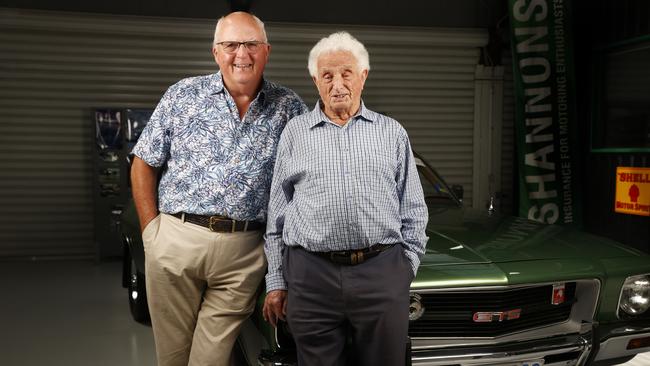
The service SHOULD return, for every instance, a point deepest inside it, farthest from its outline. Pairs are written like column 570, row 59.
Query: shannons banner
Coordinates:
column 547, row 136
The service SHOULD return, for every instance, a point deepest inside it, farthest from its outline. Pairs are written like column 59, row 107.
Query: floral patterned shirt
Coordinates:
column 213, row 162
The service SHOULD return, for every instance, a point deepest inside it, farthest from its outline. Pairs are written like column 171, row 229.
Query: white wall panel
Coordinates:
column 508, row 167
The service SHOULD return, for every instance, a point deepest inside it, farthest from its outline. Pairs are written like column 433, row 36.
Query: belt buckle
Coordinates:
column 356, row 257
column 214, row 219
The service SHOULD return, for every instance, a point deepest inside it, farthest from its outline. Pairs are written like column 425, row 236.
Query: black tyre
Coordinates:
column 137, row 294
column 238, row 356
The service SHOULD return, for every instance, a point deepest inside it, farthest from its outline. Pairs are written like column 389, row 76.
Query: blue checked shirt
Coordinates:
column 339, row 188
column 214, row 162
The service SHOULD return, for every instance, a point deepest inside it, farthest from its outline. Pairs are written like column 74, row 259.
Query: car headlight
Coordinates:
column 635, row 295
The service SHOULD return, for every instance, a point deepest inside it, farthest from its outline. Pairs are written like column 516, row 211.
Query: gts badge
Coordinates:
column 496, row 316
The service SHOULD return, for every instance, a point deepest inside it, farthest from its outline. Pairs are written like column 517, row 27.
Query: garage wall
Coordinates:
column 56, row 67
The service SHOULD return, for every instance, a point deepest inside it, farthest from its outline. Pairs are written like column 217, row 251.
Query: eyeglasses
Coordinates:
column 233, row 46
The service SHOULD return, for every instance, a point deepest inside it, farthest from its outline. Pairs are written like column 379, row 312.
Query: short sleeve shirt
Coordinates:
column 213, row 162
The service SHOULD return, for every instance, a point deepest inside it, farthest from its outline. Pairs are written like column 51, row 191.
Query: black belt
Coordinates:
column 220, row 224
column 354, row 257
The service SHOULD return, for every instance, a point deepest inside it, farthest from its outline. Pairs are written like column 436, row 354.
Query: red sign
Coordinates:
column 632, row 191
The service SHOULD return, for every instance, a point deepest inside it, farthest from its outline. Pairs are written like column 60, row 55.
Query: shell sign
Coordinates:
column 633, row 191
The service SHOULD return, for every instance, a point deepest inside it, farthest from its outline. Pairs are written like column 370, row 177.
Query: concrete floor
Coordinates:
column 76, row 314
column 69, row 313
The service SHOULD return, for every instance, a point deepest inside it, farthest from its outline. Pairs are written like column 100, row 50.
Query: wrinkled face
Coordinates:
column 243, row 67
column 340, row 82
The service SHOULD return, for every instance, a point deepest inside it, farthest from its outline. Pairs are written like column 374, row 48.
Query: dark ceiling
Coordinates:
column 424, row 13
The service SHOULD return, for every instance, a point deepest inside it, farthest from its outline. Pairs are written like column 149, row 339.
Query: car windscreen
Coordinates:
column 435, row 189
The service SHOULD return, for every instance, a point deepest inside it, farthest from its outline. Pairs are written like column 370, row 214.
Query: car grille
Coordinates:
column 450, row 314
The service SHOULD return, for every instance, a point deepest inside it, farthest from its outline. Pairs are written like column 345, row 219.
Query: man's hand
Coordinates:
column 275, row 306
column 145, row 221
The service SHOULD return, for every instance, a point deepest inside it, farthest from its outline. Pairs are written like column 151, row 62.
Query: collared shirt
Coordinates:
column 215, row 163
column 344, row 187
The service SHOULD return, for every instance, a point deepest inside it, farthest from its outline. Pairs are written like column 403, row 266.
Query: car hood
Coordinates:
column 471, row 247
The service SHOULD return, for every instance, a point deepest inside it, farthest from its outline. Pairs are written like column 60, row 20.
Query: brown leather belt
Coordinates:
column 354, row 257
column 221, row 224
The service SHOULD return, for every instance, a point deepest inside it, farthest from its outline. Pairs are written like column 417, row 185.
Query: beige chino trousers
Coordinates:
column 201, row 287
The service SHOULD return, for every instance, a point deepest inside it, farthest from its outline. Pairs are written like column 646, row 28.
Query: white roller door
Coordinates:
column 55, row 67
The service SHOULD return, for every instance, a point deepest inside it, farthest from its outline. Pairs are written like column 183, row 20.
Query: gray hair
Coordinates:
column 339, row 41
column 220, row 24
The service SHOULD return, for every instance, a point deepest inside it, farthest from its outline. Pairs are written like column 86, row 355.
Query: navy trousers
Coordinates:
column 329, row 303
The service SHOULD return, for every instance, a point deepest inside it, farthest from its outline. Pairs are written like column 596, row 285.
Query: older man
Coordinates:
column 347, row 219
column 215, row 137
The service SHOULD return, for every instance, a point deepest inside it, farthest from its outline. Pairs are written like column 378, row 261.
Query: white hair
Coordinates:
column 339, row 41
column 216, row 39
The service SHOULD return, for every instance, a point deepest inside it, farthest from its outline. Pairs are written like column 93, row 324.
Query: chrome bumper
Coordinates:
column 616, row 346
column 570, row 350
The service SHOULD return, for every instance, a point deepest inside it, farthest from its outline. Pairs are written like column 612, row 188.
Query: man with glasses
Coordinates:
column 214, row 139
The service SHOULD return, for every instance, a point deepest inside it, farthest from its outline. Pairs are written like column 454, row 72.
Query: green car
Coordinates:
column 491, row 290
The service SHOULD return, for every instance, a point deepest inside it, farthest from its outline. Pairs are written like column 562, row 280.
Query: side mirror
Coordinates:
column 458, row 191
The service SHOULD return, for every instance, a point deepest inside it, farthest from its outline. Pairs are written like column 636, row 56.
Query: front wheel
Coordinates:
column 238, row 357
column 137, row 293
